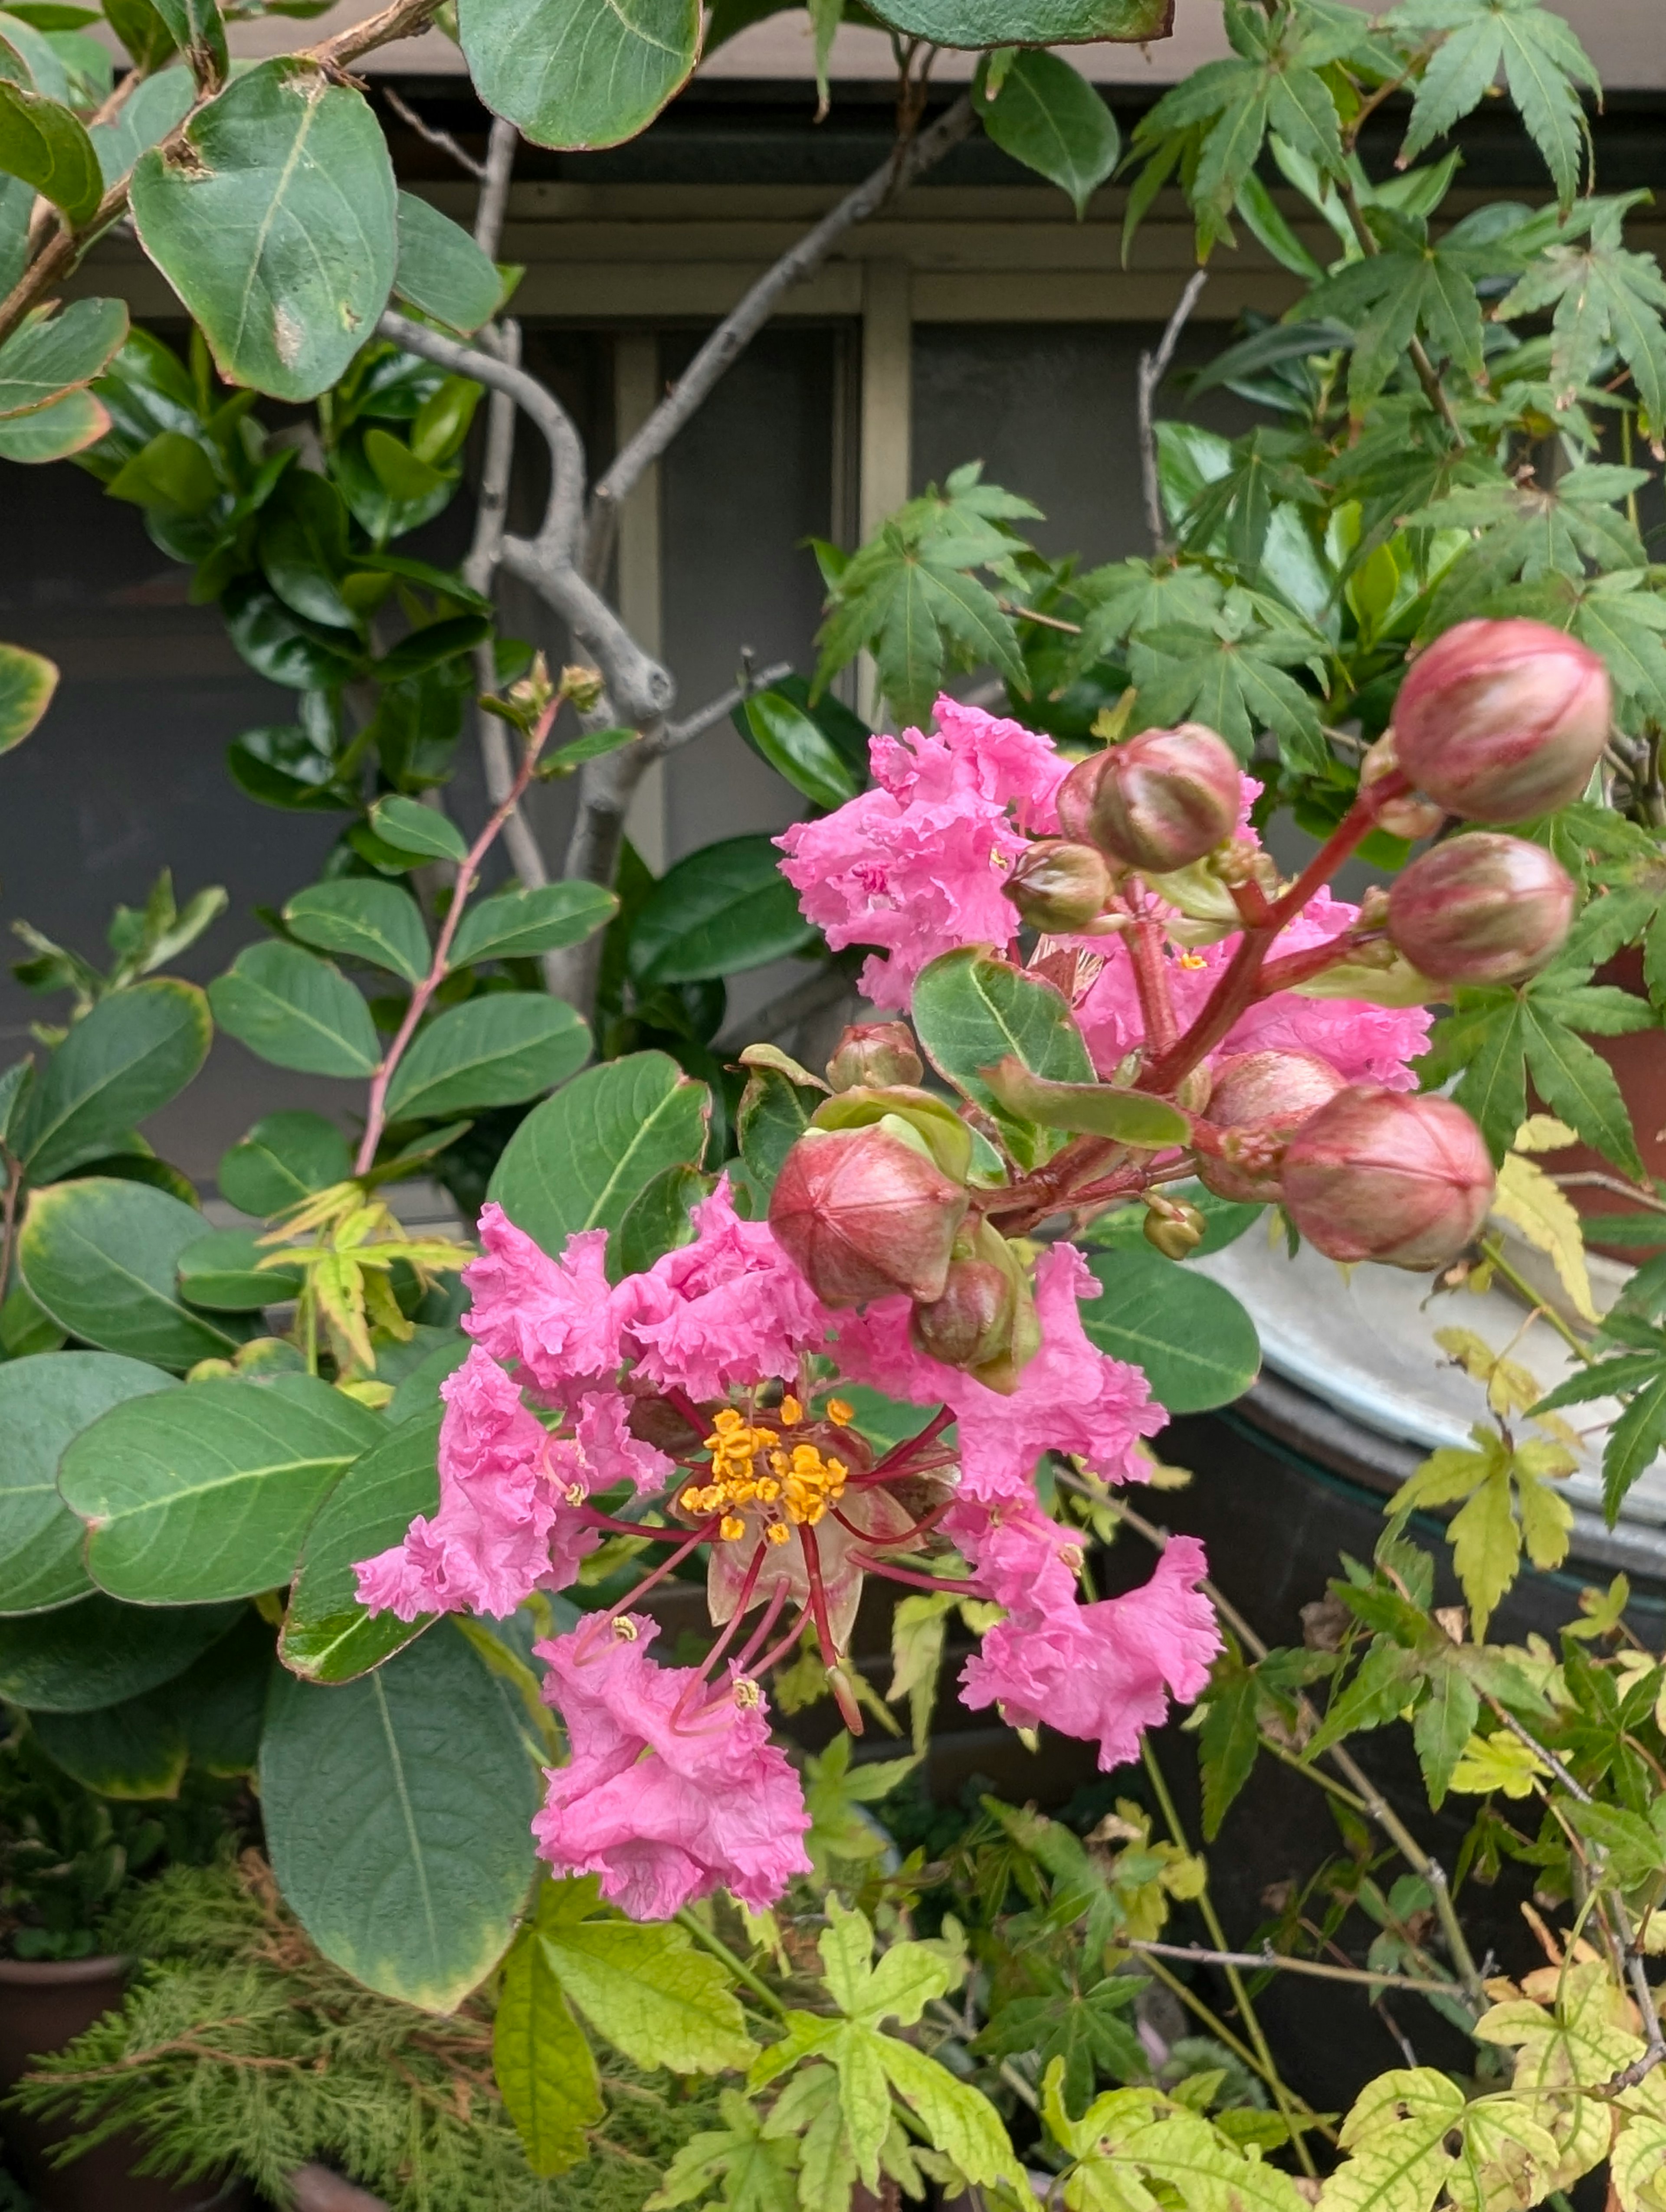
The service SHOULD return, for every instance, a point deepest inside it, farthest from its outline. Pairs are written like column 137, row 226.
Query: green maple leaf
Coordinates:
column 738, row 2165
column 1637, row 1378
column 1085, row 2028
column 1386, row 298
column 1543, row 64
column 1603, row 295
column 1403, row 461
column 1236, row 510
column 1232, row 674
column 1126, row 597
column 1531, row 531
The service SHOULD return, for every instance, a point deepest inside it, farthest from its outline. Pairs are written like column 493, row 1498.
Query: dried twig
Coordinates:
column 1154, row 367
column 443, row 139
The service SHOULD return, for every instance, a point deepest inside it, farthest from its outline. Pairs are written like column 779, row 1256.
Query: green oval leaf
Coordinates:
column 137, row 1050
column 543, row 2063
column 795, row 747
column 1048, row 116
column 134, row 1749
column 99, row 1255
column 1196, row 1342
column 657, row 1221
column 274, row 222
column 574, row 75
column 157, row 106
column 441, row 270
column 284, row 1159
column 282, row 645
column 1095, row 1109
column 27, row 681
column 208, row 1495
column 97, row 1652
column 490, row 1051
column 411, row 827
column 581, row 1159
column 721, row 911
column 296, row 1012
column 47, row 146
column 429, row 646
column 972, row 1011
column 518, row 924
column 396, row 1812
column 1027, row 22
column 44, row 1402
column 328, row 1636
column 222, row 1271
column 363, row 920
column 45, row 359
column 303, row 548
column 68, row 426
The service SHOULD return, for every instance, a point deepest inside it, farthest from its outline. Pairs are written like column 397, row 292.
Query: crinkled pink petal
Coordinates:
column 557, row 1319
column 607, row 1452
column 916, row 865
column 488, row 1545
column 1104, row 1672
column 728, row 1311
column 664, row 1808
column 1018, row 1557
column 1070, row 1398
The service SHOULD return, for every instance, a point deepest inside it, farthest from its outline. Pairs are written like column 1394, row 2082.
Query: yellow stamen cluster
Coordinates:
column 790, row 1484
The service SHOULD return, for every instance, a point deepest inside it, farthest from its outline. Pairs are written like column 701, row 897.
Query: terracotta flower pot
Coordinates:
column 1639, row 1061
column 45, row 2004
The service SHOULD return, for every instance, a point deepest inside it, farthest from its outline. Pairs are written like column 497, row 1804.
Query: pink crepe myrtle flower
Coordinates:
column 1102, row 1672
column 555, row 1319
column 1364, row 1043
column 916, row 865
column 1070, row 1397
column 672, row 1789
column 727, row 1310
column 503, row 1528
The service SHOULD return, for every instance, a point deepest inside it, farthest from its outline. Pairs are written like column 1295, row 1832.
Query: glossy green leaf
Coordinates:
column 43, row 69
column 136, row 1749
column 44, row 1402
column 206, row 1496
column 774, row 1113
column 27, row 681
column 517, row 924
column 172, row 472
column 142, row 31
column 972, row 1011
column 1195, row 1343
column 223, row 1271
column 1094, row 1109
column 282, row 645
column 581, row 1159
column 1028, row 23
column 328, row 1636
column 363, row 919
column 44, row 143
column 1048, row 116
column 158, row 105
column 574, row 75
column 411, row 827
column 97, row 1652
column 418, row 1388
column 545, row 2069
column 431, row 645
column 794, row 745
column 284, row 1159
column 657, row 1219
column 303, row 547
column 137, row 1050
column 719, row 911
column 396, row 1812
column 644, row 1987
column 296, row 1012
column 17, row 199
column 441, row 270
column 24, row 1329
column 99, row 1255
column 275, row 224
column 68, row 426
column 412, row 484
column 58, row 353
column 491, row 1051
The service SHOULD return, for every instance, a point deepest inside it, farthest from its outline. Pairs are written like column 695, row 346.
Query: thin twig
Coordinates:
column 1316, row 1967
column 443, row 139
column 1154, row 367
column 676, row 734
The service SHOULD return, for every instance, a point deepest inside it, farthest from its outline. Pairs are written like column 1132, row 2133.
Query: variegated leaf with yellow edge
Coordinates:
column 1395, row 2136
column 1509, row 2159
column 1574, row 2029
column 1636, row 2164
column 1500, row 1762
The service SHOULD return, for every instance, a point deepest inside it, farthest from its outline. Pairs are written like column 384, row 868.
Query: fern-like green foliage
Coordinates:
column 239, row 2048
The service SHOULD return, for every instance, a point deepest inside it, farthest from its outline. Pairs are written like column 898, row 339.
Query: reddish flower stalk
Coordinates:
column 961, row 1589
column 1145, row 942
column 849, row 1711
column 701, row 1534
column 899, row 1459
column 756, row 1667
column 1302, row 967
column 593, row 1517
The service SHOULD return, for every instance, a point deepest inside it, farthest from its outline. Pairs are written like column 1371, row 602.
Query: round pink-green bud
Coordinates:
column 1381, row 1175
column 862, row 1214
column 1165, row 798
column 873, row 1056
column 1260, row 1100
column 1498, row 720
column 1074, row 799
column 1174, row 1229
column 1059, row 884
column 1481, row 909
column 1411, row 816
column 972, row 1322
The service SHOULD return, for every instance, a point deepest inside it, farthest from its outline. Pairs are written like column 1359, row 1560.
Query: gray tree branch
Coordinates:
column 1154, row 367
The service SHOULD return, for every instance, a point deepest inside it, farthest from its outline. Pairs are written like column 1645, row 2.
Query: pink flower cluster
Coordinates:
column 916, row 866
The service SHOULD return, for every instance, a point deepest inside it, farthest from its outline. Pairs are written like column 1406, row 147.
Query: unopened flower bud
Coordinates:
column 971, row 1320
column 1497, row 720
column 1165, row 798
column 1380, row 1175
column 1411, row 816
column 1481, row 909
column 1074, row 799
column 1059, row 884
column 1261, row 1099
column 1174, row 1226
column 862, row 1214
column 873, row 1054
